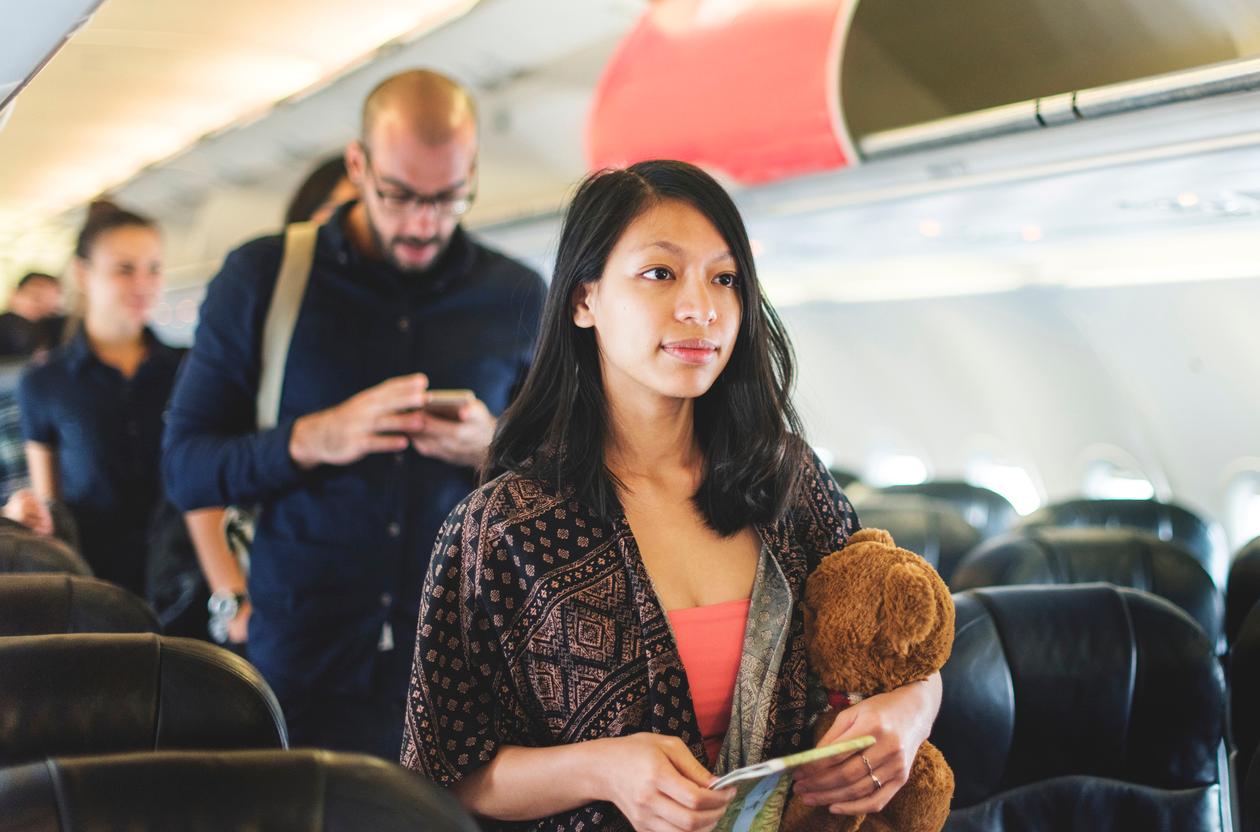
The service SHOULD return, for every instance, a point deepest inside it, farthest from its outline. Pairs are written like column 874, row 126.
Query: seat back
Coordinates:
column 926, row 526
column 1250, row 798
column 1166, row 521
column 1124, row 557
column 311, row 791
column 1046, row 684
column 987, row 511
column 1243, row 589
column 94, row 693
column 43, row 604
column 1244, row 689
column 22, row 550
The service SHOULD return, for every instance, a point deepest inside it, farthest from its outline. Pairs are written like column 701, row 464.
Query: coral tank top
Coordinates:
column 710, row 642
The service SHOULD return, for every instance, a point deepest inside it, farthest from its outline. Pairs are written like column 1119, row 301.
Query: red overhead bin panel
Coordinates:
column 749, row 88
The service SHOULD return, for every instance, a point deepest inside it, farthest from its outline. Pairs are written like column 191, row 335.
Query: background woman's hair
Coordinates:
column 315, row 189
column 104, row 216
column 746, row 425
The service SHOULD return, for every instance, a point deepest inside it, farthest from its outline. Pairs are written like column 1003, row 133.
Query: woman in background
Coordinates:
column 321, row 192
column 92, row 412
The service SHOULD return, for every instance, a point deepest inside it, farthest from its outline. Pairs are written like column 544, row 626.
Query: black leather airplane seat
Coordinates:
column 279, row 791
column 1250, row 796
column 1166, row 521
column 843, row 478
column 36, row 605
column 1081, row 707
column 1124, row 557
column 96, row 693
column 924, row 525
column 987, row 511
column 1244, row 689
column 1243, row 588
column 22, row 550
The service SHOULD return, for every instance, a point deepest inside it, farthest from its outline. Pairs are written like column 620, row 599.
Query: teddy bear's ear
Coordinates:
column 871, row 536
column 909, row 610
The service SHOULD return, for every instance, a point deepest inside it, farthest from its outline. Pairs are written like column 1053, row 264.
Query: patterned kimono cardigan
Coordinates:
column 539, row 627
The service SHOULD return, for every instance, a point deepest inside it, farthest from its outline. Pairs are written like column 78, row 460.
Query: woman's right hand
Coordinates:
column 658, row 784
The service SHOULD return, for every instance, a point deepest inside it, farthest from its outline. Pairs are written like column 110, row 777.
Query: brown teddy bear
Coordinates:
column 877, row 617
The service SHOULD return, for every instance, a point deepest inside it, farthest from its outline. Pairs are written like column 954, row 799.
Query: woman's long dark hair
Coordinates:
column 746, row 426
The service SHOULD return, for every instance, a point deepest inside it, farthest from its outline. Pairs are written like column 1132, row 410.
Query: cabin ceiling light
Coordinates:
column 145, row 81
column 1223, row 204
column 930, row 228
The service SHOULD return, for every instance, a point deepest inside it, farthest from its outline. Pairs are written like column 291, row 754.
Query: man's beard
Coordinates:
column 386, row 248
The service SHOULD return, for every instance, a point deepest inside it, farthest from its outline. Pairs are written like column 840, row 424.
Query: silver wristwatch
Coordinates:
column 223, row 605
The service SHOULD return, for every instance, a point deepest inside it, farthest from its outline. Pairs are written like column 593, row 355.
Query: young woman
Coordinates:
column 92, row 413
column 614, row 617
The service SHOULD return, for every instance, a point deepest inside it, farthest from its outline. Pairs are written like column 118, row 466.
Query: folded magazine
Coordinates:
column 761, row 788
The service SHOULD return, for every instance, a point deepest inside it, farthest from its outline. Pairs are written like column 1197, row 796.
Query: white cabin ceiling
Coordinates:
column 163, row 102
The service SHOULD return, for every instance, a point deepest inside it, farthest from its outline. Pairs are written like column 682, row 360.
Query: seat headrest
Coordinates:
column 931, row 528
column 32, row 605
column 1093, row 803
column 94, row 693
column 1167, row 521
column 1124, row 557
column 1250, row 791
column 987, row 511
column 315, row 791
column 1092, row 680
column 1244, row 688
column 1243, row 588
column 21, row 550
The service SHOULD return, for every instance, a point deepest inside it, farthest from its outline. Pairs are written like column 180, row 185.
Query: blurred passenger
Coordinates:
column 323, row 190
column 25, row 508
column 326, row 188
column 13, row 473
column 356, row 477
column 33, row 321
column 92, row 412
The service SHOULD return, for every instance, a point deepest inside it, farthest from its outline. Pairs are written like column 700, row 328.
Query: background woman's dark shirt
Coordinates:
column 106, row 431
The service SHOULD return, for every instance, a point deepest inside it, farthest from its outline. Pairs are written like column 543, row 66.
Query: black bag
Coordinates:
column 174, row 585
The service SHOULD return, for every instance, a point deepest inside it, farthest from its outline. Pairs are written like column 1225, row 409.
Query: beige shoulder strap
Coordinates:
column 286, row 302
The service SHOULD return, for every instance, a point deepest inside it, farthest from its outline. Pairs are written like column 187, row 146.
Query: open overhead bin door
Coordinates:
column 768, row 89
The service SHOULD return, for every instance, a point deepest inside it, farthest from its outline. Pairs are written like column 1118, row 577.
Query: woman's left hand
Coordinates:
column 900, row 721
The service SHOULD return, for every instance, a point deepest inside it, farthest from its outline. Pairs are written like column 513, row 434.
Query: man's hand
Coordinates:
column 378, row 420
column 238, row 627
column 25, row 508
column 461, row 441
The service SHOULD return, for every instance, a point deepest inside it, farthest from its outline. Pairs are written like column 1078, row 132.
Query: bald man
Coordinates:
column 362, row 467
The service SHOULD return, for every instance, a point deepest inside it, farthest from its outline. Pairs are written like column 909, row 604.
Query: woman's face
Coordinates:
column 666, row 310
column 122, row 277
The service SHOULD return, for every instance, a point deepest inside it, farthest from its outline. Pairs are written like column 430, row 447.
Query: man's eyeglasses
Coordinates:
column 398, row 200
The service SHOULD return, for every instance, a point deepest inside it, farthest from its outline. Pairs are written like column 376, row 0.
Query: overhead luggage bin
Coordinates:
column 912, row 62
column 765, row 91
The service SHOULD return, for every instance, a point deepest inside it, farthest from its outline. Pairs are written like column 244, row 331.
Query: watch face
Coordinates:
column 223, row 604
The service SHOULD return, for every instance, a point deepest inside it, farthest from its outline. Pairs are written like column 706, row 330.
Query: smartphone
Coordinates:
column 446, row 404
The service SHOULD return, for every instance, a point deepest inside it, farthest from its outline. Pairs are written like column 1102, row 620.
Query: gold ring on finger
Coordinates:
column 870, row 771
